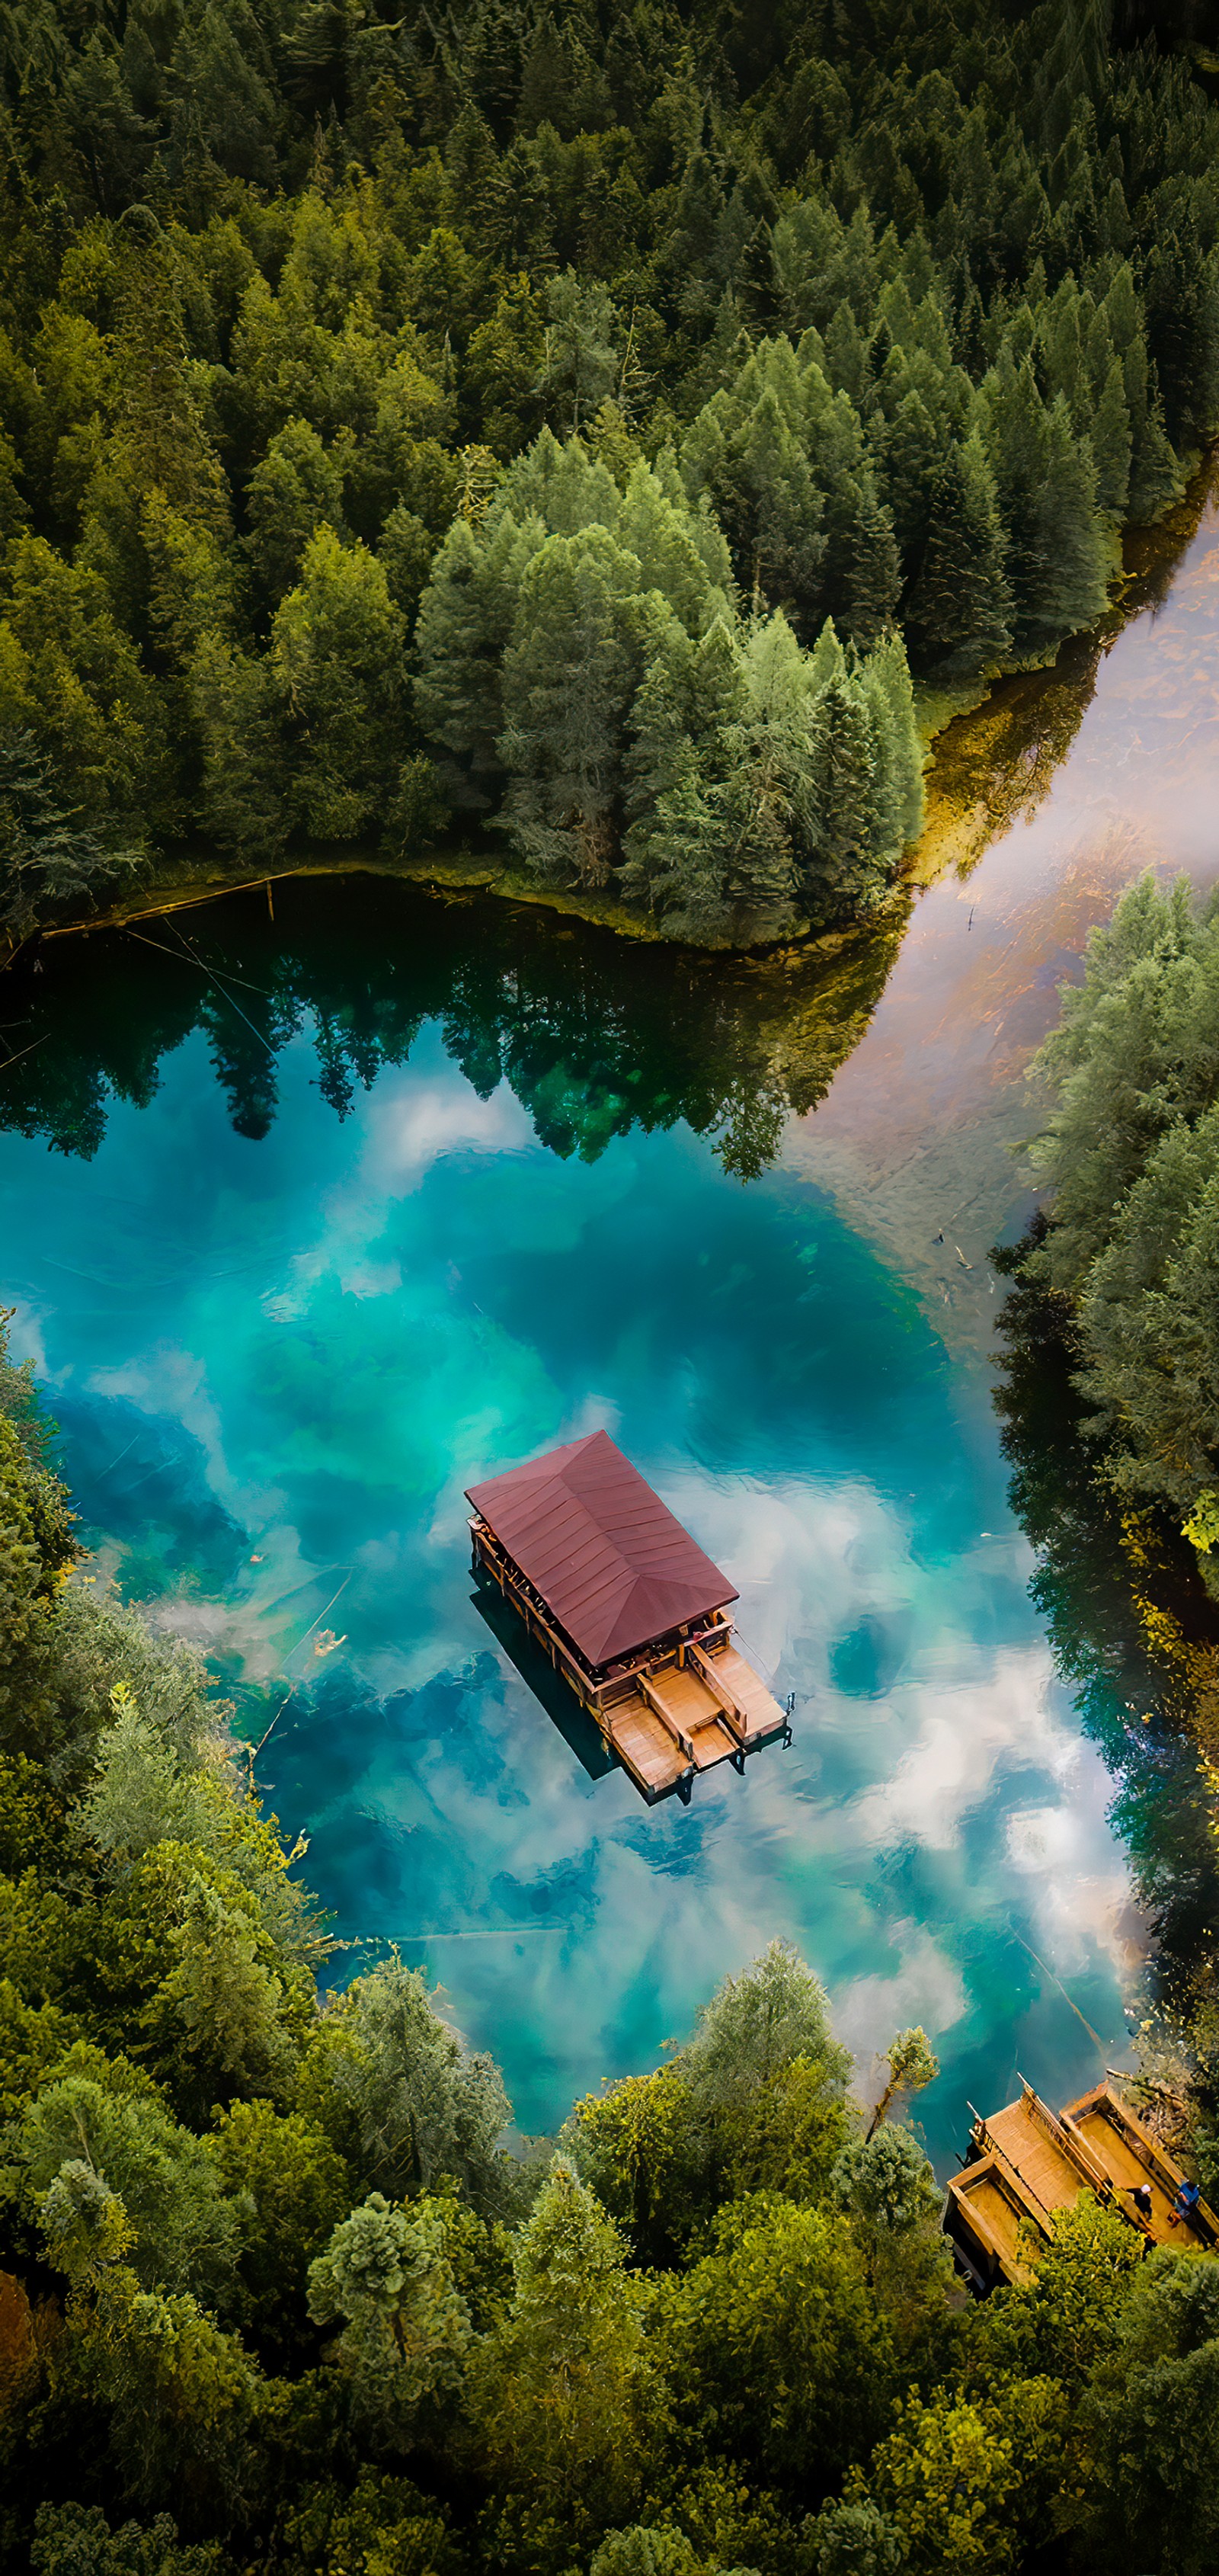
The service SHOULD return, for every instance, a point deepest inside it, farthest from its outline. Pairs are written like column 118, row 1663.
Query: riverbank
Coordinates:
column 1054, row 797
column 991, row 761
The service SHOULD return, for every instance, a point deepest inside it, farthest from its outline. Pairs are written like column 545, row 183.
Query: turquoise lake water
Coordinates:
column 279, row 1356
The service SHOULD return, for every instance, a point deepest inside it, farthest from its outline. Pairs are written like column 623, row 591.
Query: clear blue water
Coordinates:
column 278, row 1358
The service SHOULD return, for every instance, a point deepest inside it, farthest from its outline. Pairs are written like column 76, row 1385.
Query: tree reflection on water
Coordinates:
column 595, row 1034
column 1126, row 1618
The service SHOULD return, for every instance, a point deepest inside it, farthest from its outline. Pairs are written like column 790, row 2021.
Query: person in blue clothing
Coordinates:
column 1187, row 2201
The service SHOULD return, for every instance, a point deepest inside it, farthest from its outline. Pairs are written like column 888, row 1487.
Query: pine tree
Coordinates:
column 580, row 354
column 1075, row 557
column 659, row 534
column 844, row 352
column 296, row 486
column 568, row 488
column 886, row 682
column 501, row 369
column 45, row 859
column 657, row 761
column 753, row 464
column 710, row 840
column 865, row 579
column 243, row 800
column 1058, row 550
column 464, row 624
column 560, row 2388
column 958, row 616
column 569, row 674
column 910, row 456
column 336, row 651
column 839, row 877
column 1112, row 444
column 1156, row 479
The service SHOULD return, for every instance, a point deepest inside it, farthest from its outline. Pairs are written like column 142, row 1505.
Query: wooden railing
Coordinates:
column 667, row 1719
column 1068, row 2141
column 502, row 1572
column 704, row 1666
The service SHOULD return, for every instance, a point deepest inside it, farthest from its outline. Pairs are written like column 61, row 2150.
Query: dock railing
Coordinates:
column 667, row 1719
column 704, row 1665
column 1068, row 2141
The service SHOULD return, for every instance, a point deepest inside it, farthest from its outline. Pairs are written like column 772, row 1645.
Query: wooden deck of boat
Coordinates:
column 670, row 1712
column 1124, row 2170
column 1035, row 2156
column 646, row 1747
column 1030, row 2162
column 695, row 1712
column 997, row 2211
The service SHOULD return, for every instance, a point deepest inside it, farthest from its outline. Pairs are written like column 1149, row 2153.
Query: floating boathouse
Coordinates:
column 629, row 1610
column 1027, row 2161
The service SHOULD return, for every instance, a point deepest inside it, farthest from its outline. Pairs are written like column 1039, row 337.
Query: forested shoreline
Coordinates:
column 574, row 425
column 278, row 2291
column 1107, row 1395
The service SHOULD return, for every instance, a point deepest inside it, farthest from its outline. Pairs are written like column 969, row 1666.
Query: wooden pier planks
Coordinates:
column 1036, row 2158
column 695, row 1712
column 1030, row 2163
column 646, row 1747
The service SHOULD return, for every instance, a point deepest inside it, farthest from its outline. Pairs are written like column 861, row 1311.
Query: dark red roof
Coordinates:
column 606, row 1555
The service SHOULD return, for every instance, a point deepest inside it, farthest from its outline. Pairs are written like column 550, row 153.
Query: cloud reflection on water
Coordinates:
column 438, row 1295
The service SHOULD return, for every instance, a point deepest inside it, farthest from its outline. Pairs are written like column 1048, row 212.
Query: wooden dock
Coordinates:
column 667, row 1716
column 1029, row 2161
column 589, row 1557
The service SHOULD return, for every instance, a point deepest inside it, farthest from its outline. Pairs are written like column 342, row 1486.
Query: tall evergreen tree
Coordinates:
column 569, row 675
column 958, row 614
column 839, row 877
column 337, row 655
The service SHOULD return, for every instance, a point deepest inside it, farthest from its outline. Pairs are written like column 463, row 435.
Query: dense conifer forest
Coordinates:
column 575, row 423
column 623, row 431
column 276, row 2296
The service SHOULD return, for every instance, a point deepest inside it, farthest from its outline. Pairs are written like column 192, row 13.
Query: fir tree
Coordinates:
column 1112, row 444
column 910, row 458
column 44, row 861
column 900, row 758
column 958, row 615
column 1058, row 554
column 297, row 485
column 839, row 876
column 865, row 579
column 569, row 675
column 336, row 650
column 465, row 621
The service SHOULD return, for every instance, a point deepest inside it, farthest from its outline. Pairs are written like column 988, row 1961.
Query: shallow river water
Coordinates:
column 281, row 1341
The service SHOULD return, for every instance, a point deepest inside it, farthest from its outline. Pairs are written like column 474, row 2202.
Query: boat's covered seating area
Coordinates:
column 1029, row 2161
column 629, row 1610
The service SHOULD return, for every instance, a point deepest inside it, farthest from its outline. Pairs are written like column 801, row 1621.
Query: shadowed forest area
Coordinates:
column 573, row 423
